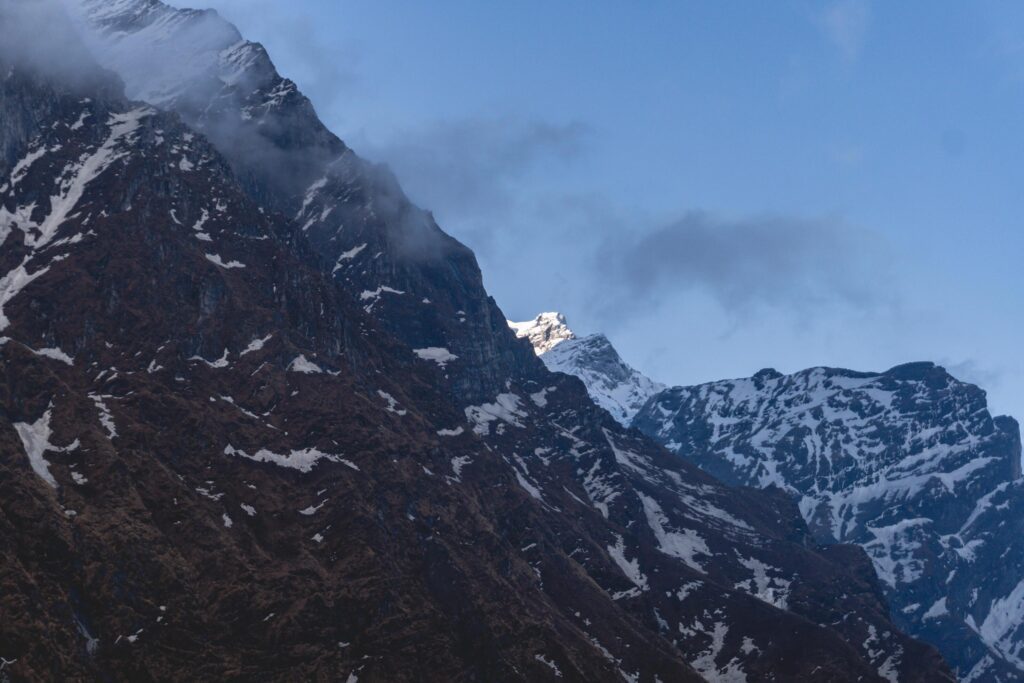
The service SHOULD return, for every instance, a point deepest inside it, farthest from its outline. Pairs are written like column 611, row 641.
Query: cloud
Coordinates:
column 60, row 56
column 797, row 265
column 470, row 165
column 326, row 68
column 971, row 371
column 588, row 250
column 845, row 23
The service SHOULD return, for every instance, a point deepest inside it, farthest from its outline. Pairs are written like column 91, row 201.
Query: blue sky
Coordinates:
column 718, row 186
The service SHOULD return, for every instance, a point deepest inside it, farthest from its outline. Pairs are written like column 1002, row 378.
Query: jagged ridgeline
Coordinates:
column 908, row 464
column 260, row 420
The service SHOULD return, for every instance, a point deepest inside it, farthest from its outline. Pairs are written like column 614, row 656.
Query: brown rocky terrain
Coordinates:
column 224, row 457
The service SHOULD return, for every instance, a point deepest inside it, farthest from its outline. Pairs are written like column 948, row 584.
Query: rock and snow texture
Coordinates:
column 502, row 496
column 909, row 464
column 353, row 213
column 614, row 385
column 163, row 54
column 35, row 438
column 544, row 332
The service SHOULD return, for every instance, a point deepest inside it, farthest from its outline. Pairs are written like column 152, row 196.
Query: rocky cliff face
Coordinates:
column 611, row 383
column 415, row 280
column 909, row 464
column 221, row 455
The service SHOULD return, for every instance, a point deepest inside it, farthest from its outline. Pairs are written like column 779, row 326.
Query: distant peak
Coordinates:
column 767, row 374
column 544, row 332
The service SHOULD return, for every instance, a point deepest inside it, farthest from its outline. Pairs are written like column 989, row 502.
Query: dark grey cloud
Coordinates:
column 773, row 261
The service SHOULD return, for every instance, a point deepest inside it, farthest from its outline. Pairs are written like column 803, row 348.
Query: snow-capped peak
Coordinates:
column 545, row 331
column 614, row 385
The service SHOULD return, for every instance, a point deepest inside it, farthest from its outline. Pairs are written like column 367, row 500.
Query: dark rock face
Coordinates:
column 908, row 464
column 420, row 284
column 220, row 457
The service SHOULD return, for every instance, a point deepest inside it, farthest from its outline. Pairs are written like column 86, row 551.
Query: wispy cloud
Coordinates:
column 475, row 175
column 972, row 371
column 797, row 265
column 471, row 172
column 467, row 164
column 845, row 23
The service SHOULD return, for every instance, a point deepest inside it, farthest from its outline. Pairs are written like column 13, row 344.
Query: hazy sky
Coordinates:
column 718, row 186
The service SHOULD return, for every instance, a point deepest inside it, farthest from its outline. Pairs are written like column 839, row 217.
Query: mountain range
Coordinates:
column 908, row 464
column 259, row 419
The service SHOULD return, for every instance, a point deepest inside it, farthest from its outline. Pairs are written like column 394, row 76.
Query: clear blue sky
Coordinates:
column 718, row 186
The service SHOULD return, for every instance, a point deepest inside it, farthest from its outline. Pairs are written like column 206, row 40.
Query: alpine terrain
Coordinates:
column 612, row 384
column 908, row 463
column 259, row 420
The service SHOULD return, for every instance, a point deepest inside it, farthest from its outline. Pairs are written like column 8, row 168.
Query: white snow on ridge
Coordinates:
column 373, row 295
column 55, row 354
column 76, row 178
column 544, row 332
column 707, row 663
column 999, row 628
column 221, row 362
column 256, row 345
column 106, row 419
column 631, row 568
column 685, row 544
column 504, row 409
column 458, row 463
column 303, row 460
column 771, row 589
column 936, row 611
column 439, row 355
column 36, row 440
column 348, row 256
column 611, row 383
column 550, row 664
column 21, row 168
column 305, row 366
column 218, row 261
column 11, row 285
column 393, row 406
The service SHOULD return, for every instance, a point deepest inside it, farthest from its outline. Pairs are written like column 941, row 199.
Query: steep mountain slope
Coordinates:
column 218, row 459
column 419, row 283
column 908, row 464
column 611, row 383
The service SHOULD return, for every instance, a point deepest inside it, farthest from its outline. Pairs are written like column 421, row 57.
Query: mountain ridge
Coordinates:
column 907, row 463
column 865, row 437
column 613, row 384
column 223, row 456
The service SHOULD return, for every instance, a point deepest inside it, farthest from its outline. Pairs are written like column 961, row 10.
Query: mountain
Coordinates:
column 909, row 464
column 228, row 452
column 420, row 284
column 611, row 383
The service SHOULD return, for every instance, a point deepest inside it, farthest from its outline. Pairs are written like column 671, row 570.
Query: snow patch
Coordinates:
column 35, row 438
column 439, row 355
column 227, row 265
column 685, row 544
column 303, row 460
column 305, row 366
